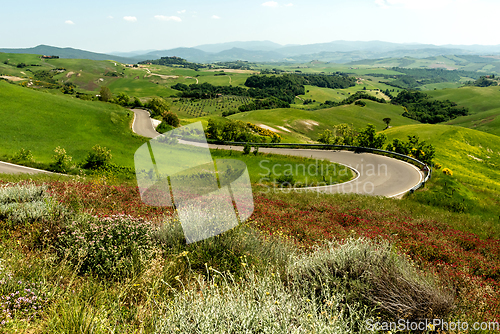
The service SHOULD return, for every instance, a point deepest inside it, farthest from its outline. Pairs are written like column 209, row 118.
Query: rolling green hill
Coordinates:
column 483, row 104
column 474, row 158
column 305, row 124
column 40, row 122
column 472, row 155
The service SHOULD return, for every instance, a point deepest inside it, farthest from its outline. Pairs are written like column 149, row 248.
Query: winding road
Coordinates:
column 8, row 168
column 376, row 175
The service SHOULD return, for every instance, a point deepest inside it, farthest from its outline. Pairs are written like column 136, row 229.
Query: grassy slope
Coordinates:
column 293, row 118
column 40, row 122
column 475, row 184
column 483, row 104
column 456, row 147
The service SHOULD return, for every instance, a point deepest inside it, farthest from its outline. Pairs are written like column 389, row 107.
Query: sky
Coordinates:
column 109, row 26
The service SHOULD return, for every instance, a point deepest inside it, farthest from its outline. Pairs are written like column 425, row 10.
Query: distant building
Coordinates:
column 50, row 57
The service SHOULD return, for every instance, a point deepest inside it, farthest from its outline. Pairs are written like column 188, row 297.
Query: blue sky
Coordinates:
column 108, row 25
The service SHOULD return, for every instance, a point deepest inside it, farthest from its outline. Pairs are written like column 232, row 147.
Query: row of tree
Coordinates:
column 169, row 61
column 234, row 130
column 343, row 134
column 354, row 97
column 208, row 91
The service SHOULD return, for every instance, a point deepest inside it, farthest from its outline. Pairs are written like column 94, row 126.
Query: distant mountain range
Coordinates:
column 267, row 51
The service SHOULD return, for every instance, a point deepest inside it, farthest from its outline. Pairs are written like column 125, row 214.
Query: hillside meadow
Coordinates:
column 88, row 256
column 300, row 125
column 482, row 103
column 40, row 122
column 473, row 157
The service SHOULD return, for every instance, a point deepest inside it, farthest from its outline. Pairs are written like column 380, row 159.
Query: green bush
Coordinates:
column 112, row 247
column 246, row 149
column 163, row 127
column 171, row 119
column 24, row 156
column 98, row 157
column 61, row 160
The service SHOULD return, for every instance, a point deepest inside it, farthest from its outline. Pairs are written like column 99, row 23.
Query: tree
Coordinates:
column 105, row 94
column 157, row 106
column 387, row 120
column 368, row 138
column 123, row 99
column 137, row 103
column 171, row 119
column 214, row 129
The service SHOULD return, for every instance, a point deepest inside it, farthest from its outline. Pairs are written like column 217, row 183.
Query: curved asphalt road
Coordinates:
column 376, row 175
column 8, row 168
column 142, row 124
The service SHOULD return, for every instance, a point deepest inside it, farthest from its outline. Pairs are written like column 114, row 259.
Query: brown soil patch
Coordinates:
column 8, row 77
column 487, row 120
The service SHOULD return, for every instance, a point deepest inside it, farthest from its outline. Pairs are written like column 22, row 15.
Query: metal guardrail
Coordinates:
column 423, row 166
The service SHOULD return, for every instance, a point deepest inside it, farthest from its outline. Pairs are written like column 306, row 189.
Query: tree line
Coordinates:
column 169, row 61
column 343, row 134
column 419, row 106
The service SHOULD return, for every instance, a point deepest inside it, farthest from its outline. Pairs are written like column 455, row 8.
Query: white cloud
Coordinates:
column 181, row 11
column 69, row 22
column 215, row 17
column 130, row 18
column 110, row 17
column 289, row 5
column 168, row 18
column 270, row 4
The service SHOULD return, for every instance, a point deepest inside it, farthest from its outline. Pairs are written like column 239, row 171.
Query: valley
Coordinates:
column 78, row 118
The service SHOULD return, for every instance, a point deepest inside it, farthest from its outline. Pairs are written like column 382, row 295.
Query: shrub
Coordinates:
column 171, row 119
column 113, row 247
column 61, row 159
column 373, row 272
column 98, row 157
column 163, row 127
column 247, row 148
column 24, row 155
column 223, row 303
column 447, row 171
column 25, row 203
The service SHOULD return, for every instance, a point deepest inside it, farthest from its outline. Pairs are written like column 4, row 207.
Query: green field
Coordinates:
column 483, row 104
column 266, row 169
column 40, row 122
column 302, row 129
column 472, row 155
column 474, row 158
